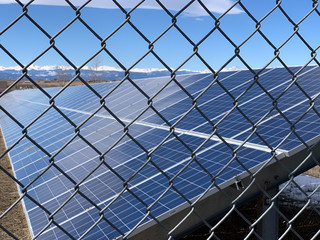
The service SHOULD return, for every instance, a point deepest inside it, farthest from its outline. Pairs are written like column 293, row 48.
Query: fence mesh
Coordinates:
column 297, row 221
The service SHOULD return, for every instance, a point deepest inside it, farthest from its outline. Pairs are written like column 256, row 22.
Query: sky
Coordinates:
column 25, row 42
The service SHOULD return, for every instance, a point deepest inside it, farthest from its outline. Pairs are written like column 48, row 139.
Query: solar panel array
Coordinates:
column 138, row 149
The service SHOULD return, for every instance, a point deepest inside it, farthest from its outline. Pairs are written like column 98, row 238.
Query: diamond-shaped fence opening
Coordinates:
column 157, row 119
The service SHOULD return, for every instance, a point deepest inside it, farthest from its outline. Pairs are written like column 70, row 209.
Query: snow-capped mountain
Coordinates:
column 101, row 73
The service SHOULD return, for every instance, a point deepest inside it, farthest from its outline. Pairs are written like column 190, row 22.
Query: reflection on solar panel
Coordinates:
column 82, row 158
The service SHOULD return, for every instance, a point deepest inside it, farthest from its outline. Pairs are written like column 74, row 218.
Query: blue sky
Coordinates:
column 26, row 42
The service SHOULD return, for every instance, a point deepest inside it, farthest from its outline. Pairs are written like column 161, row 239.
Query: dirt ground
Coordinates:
column 306, row 225
column 14, row 221
column 44, row 83
column 315, row 172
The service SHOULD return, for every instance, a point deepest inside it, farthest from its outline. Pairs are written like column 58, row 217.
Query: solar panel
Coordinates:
column 80, row 163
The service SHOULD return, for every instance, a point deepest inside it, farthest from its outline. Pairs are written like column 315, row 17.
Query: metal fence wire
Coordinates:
column 218, row 208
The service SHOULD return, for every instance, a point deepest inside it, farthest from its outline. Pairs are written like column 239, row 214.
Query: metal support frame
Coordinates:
column 268, row 227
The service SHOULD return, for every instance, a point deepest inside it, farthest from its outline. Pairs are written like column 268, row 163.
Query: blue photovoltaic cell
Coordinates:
column 74, row 144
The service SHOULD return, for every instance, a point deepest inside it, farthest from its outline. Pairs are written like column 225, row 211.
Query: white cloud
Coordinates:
column 194, row 10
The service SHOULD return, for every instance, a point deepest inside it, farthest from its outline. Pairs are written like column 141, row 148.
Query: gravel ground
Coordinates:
column 14, row 221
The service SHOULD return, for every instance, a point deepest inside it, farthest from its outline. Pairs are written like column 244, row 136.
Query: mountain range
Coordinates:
column 100, row 73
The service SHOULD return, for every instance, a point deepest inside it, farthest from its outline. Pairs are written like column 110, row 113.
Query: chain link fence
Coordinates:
column 217, row 205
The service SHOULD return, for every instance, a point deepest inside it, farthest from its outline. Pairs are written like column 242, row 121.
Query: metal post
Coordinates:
column 268, row 227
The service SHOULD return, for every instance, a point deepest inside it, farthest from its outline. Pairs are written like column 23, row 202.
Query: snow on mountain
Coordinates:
column 53, row 72
column 231, row 69
column 16, row 68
